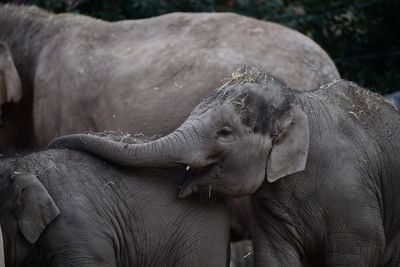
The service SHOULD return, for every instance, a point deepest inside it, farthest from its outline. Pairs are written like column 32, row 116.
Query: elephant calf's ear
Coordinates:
column 290, row 149
column 10, row 83
column 35, row 207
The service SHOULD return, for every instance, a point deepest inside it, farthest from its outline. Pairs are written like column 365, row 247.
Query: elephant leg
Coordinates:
column 73, row 243
column 69, row 257
column 350, row 235
column 272, row 249
column 351, row 232
column 347, row 233
column 348, row 248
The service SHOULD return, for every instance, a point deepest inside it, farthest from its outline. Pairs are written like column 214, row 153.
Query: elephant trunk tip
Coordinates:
column 67, row 141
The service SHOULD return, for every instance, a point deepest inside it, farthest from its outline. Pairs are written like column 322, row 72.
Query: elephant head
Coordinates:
column 26, row 210
column 248, row 130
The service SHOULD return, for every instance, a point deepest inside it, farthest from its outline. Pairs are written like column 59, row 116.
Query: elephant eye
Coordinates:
column 225, row 133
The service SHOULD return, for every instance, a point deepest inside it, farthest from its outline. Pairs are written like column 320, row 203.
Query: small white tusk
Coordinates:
column 209, row 191
column 248, row 254
column 187, row 167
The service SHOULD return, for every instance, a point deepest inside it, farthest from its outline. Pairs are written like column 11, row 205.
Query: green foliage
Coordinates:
column 362, row 36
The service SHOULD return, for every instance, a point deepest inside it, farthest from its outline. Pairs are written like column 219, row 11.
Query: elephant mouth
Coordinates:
column 199, row 179
column 198, row 170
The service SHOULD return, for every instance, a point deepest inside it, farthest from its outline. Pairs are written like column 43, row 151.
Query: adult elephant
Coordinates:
column 321, row 166
column 82, row 74
column 67, row 208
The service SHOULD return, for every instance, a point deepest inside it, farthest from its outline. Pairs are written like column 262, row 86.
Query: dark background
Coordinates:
column 362, row 37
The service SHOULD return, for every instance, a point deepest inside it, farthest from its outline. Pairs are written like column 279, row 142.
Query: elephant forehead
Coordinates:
column 257, row 110
column 253, row 111
column 255, row 97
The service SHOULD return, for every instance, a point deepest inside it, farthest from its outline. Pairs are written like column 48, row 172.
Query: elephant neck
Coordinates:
column 23, row 29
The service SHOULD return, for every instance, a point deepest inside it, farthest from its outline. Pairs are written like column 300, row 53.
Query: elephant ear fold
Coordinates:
column 10, row 83
column 35, row 208
column 290, row 148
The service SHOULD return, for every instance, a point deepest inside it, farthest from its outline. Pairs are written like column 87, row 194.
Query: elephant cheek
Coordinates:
column 245, row 184
column 257, row 180
column 195, row 184
column 186, row 190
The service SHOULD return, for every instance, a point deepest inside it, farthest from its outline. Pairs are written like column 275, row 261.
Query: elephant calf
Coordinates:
column 66, row 208
column 322, row 167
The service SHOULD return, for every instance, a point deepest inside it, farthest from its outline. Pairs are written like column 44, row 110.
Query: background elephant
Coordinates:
column 321, row 166
column 66, row 208
column 82, row 74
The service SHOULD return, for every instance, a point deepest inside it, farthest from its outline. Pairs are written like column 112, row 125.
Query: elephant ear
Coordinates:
column 10, row 83
column 35, row 208
column 290, row 148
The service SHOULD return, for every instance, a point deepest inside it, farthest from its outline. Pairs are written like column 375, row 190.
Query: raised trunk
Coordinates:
column 175, row 149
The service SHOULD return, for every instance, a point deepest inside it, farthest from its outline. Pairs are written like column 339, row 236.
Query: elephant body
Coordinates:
column 82, row 74
column 66, row 208
column 341, row 209
column 321, row 167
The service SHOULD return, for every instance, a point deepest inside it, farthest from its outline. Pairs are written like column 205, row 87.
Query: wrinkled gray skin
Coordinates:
column 66, row 208
column 82, row 74
column 321, row 166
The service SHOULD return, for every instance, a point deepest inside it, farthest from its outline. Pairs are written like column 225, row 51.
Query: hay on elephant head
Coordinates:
column 246, row 75
column 126, row 138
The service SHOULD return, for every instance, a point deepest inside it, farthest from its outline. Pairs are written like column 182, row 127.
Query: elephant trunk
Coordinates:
column 169, row 151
